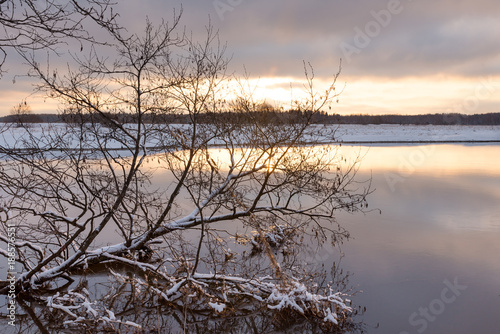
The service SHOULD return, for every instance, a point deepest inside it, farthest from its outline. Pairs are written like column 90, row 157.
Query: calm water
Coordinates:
column 439, row 227
column 428, row 262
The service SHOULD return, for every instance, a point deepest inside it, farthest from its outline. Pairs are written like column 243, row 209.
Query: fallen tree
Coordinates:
column 68, row 189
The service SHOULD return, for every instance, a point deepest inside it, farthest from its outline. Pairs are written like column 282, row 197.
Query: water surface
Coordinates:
column 439, row 226
column 425, row 260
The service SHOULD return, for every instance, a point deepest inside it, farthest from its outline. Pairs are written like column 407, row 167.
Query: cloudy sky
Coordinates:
column 405, row 57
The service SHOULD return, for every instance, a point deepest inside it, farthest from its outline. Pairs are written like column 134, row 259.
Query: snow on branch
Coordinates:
column 81, row 310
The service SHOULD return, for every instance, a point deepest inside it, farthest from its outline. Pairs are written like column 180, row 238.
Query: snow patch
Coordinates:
column 219, row 308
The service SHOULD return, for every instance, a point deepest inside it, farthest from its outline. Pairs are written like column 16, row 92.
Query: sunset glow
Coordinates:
column 397, row 57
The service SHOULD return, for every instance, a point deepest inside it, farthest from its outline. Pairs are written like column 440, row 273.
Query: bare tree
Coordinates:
column 28, row 25
column 21, row 114
column 71, row 188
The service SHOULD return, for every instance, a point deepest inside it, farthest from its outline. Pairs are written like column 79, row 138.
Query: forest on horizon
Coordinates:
column 273, row 116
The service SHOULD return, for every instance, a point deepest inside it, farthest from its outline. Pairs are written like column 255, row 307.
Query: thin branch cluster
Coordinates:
column 115, row 185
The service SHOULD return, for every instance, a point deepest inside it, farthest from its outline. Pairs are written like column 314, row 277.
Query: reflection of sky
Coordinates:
column 406, row 160
column 438, row 222
column 433, row 160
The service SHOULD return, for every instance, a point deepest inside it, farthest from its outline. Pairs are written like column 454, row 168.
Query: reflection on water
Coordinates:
column 428, row 262
column 439, row 222
column 431, row 160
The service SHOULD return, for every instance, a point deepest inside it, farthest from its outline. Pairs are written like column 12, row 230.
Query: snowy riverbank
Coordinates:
column 346, row 133
column 385, row 133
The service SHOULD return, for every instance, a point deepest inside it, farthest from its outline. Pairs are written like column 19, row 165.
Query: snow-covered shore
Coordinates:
column 346, row 133
column 388, row 133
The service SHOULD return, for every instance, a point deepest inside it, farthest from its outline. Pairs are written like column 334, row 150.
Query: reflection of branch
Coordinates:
column 41, row 327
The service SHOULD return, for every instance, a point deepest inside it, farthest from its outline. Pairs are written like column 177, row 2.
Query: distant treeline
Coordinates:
column 423, row 119
column 270, row 117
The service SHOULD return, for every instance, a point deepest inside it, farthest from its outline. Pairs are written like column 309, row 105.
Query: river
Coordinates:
column 428, row 262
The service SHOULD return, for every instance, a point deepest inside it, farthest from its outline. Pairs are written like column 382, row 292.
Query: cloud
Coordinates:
column 419, row 39
column 425, row 37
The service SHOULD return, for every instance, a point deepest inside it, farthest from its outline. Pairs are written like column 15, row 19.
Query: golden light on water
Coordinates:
column 404, row 160
column 434, row 159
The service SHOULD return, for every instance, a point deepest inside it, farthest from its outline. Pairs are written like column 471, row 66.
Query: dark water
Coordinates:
column 429, row 263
